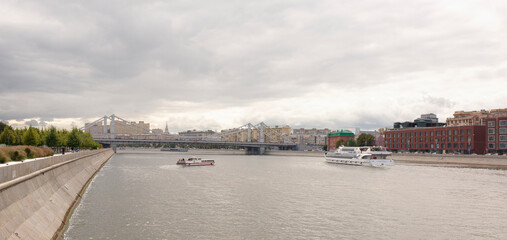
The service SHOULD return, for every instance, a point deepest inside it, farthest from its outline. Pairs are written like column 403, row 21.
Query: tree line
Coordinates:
column 363, row 140
column 50, row 137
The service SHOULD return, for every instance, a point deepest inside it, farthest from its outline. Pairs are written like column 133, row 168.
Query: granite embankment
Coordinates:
column 475, row 161
column 37, row 196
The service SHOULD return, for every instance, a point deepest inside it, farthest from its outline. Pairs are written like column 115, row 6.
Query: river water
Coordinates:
column 147, row 196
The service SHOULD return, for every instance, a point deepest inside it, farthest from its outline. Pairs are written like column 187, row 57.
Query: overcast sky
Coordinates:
column 221, row 64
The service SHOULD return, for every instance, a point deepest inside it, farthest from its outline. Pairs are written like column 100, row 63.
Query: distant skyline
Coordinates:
column 220, row 64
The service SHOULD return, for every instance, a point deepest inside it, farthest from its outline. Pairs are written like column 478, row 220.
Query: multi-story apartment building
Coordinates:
column 454, row 139
column 497, row 134
column 311, row 131
column 121, row 128
column 157, row 131
column 462, row 118
column 196, row 135
column 310, row 139
column 271, row 134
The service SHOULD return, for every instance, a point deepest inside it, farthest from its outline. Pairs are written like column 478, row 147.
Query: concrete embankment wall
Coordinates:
column 470, row 160
column 38, row 195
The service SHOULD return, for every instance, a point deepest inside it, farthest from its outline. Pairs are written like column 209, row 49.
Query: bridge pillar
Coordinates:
column 112, row 126
column 255, row 150
column 105, row 126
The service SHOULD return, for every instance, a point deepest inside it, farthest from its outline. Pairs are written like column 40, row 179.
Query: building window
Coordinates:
column 431, row 133
column 502, row 131
column 491, row 145
column 491, row 123
column 455, row 145
column 443, row 133
column 462, row 138
column 443, row 145
column 449, row 145
column 491, row 138
column 491, row 131
column 455, row 132
column 502, row 138
column 502, row 123
column 469, row 131
column 462, row 131
column 462, row 145
column 502, row 145
column 438, row 133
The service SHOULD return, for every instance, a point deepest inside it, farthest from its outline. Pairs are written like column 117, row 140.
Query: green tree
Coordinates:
column 87, row 141
column 324, row 147
column 8, row 136
column 3, row 126
column 19, row 136
column 31, row 137
column 365, row 140
column 52, row 139
column 339, row 143
column 73, row 138
column 350, row 142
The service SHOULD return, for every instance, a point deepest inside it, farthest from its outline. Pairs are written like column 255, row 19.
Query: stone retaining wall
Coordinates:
column 17, row 169
column 453, row 159
column 35, row 202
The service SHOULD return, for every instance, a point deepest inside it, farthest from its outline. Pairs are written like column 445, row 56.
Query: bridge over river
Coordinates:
column 105, row 134
column 250, row 147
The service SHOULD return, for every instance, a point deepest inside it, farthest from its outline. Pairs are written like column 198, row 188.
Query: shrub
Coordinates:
column 29, row 153
column 16, row 155
column 2, row 159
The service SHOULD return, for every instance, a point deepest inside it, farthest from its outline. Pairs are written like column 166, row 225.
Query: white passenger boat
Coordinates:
column 195, row 161
column 362, row 156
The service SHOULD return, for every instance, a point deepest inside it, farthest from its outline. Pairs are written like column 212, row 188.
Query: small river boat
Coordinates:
column 195, row 161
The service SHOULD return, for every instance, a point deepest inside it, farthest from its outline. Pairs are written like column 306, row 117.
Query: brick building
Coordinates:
column 497, row 134
column 334, row 137
column 455, row 139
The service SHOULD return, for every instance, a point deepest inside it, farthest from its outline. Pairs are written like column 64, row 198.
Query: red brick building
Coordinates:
column 497, row 134
column 455, row 139
column 334, row 137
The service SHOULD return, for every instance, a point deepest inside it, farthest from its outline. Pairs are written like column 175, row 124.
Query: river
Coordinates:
column 147, row 196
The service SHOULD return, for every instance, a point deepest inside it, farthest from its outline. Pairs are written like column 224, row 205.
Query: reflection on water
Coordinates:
column 147, row 196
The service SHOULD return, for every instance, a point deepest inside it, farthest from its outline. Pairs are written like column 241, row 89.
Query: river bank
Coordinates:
column 473, row 161
column 36, row 197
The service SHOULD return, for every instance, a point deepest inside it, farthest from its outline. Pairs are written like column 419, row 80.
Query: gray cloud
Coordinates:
column 33, row 123
column 84, row 59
